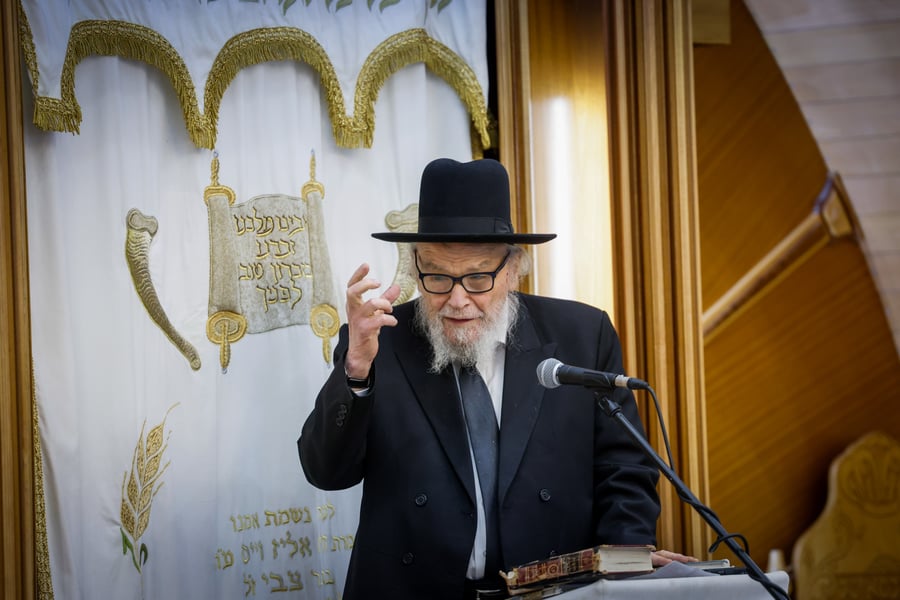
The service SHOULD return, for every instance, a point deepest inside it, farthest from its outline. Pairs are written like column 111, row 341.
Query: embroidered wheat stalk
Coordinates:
column 139, row 487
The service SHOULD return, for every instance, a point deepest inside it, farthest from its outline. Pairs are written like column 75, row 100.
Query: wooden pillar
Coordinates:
column 624, row 71
column 17, row 421
column 655, row 223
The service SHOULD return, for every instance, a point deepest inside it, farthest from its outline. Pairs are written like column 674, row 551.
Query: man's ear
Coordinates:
column 512, row 273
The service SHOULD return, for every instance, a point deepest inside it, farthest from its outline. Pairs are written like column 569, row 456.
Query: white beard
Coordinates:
column 459, row 348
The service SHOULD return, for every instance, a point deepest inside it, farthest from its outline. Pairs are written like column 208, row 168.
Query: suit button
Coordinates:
column 545, row 495
column 407, row 558
column 421, row 499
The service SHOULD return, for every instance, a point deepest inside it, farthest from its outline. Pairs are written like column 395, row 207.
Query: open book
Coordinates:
column 590, row 563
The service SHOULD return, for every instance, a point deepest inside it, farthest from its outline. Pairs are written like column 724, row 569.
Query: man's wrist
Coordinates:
column 357, row 383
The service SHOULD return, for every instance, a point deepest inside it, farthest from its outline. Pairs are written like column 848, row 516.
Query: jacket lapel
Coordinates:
column 438, row 396
column 522, row 396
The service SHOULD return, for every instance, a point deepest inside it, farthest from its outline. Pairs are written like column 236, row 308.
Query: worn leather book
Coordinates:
column 590, row 563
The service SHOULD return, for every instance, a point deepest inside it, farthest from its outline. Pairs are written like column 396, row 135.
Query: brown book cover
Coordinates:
column 602, row 561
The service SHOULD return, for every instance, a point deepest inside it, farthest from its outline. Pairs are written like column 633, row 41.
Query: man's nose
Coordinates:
column 459, row 297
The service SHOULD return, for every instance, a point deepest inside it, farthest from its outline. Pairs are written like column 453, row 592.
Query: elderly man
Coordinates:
column 468, row 465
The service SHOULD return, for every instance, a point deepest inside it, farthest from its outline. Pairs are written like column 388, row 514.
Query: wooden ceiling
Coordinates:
column 841, row 58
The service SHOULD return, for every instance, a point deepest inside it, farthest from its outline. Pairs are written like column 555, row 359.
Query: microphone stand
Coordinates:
column 613, row 410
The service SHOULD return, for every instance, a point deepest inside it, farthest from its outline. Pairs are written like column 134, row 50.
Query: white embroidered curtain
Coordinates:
column 160, row 479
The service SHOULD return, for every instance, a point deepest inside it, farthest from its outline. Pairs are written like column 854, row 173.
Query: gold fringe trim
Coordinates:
column 42, row 572
column 137, row 42
column 272, row 44
column 398, row 51
column 140, row 231
column 26, row 43
column 128, row 40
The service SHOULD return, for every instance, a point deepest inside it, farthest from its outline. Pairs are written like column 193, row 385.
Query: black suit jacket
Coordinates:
column 569, row 477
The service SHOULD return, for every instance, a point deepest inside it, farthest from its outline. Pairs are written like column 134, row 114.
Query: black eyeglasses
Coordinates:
column 474, row 283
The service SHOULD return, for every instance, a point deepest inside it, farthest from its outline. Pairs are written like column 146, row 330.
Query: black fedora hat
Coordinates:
column 465, row 202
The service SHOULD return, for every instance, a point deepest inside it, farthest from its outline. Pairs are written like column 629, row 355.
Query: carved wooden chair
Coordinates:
column 853, row 549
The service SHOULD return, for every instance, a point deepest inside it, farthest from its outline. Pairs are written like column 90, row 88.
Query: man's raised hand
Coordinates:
column 365, row 318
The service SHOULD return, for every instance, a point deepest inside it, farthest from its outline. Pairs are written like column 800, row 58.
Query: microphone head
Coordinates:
column 546, row 373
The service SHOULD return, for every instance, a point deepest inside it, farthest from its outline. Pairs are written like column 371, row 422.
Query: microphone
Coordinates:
column 551, row 373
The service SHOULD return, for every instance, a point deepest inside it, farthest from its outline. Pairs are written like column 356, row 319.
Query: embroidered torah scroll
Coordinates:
column 269, row 265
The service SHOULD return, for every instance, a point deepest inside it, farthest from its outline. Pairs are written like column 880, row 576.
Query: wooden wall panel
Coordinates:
column 800, row 375
column 569, row 150
column 806, row 364
column 754, row 149
column 842, row 59
column 552, row 110
column 710, row 22
column 628, row 127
